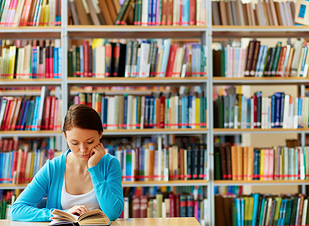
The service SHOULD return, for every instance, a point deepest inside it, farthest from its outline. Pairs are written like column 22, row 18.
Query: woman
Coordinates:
column 81, row 179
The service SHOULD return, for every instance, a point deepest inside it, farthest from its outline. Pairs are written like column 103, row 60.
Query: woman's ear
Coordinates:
column 100, row 135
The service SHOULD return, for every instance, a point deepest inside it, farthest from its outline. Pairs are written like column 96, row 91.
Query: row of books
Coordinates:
column 258, row 209
column 280, row 110
column 263, row 13
column 21, row 166
column 7, row 199
column 153, row 163
column 137, row 58
column 26, row 144
column 30, row 113
column 262, row 61
column 94, row 12
column 38, row 59
column 14, row 13
column 132, row 12
column 249, row 163
column 151, row 111
column 165, row 206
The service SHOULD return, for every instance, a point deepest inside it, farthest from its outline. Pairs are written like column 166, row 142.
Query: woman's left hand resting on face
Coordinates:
column 96, row 154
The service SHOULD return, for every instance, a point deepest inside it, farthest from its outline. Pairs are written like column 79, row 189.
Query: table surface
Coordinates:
column 184, row 221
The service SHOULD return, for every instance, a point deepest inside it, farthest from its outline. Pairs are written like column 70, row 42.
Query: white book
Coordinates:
column 304, row 214
column 145, row 12
column 143, row 66
column 129, row 111
column 286, row 111
column 297, row 57
column 288, row 48
column 134, row 118
column 283, row 12
column 27, row 62
column 160, row 158
column 302, row 166
column 99, row 58
column 52, row 12
column 146, row 161
column 2, row 111
column 44, row 93
column 176, row 12
column 295, row 113
column 5, row 13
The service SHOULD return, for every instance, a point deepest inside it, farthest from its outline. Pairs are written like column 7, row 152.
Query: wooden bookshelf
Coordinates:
column 259, row 182
column 133, row 183
column 274, row 130
column 29, row 32
column 154, row 131
column 131, row 31
column 138, row 81
column 260, row 31
column 27, row 133
column 259, row 81
column 30, row 82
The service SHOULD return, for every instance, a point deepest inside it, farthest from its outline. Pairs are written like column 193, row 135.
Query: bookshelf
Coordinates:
column 204, row 33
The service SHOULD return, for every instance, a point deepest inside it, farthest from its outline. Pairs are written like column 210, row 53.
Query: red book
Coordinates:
column 47, row 67
column 143, row 206
column 15, row 159
column 116, row 57
column 170, row 64
column 52, row 113
column 162, row 112
column 177, row 205
column 26, row 13
column 255, row 111
column 192, row 12
column 6, row 114
column 22, row 170
column 136, row 207
column 172, row 205
column 47, row 113
column 86, row 58
column 51, row 62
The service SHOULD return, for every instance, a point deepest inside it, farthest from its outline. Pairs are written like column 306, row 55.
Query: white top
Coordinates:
column 88, row 199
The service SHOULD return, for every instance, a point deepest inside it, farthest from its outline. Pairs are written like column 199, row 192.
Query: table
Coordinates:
column 183, row 221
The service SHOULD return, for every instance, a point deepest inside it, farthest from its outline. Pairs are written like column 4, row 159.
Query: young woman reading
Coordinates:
column 81, row 179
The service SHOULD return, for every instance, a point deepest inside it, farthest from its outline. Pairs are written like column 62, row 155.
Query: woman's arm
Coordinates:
column 24, row 207
column 108, row 191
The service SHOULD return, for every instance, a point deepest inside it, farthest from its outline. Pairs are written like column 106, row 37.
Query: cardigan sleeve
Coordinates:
column 109, row 189
column 24, row 208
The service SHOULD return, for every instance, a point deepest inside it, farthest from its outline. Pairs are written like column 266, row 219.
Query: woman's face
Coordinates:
column 81, row 141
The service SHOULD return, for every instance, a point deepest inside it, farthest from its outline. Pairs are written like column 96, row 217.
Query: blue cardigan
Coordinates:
column 106, row 180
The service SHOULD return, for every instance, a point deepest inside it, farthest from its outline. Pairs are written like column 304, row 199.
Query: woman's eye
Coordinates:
column 90, row 142
column 74, row 143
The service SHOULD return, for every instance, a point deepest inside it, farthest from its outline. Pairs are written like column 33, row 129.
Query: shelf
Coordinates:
column 137, row 81
column 258, row 182
column 240, row 131
column 164, row 183
column 154, row 131
column 30, row 82
column 132, row 31
column 260, row 81
column 132, row 184
column 30, row 32
column 41, row 133
column 260, row 31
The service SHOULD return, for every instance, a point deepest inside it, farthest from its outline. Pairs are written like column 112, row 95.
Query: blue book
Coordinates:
column 81, row 60
column 105, row 112
column 258, row 63
column 36, row 13
column 242, row 211
column 149, row 22
column 154, row 13
column 128, row 174
column 262, row 211
column 59, row 62
column 296, row 163
column 36, row 113
column 125, row 111
column 277, row 109
column 189, row 109
column 185, row 12
column 281, row 109
column 34, row 62
column 166, row 51
column 299, row 113
column 26, row 112
column 238, row 211
column 56, row 61
column 248, row 123
column 273, row 113
column 255, row 208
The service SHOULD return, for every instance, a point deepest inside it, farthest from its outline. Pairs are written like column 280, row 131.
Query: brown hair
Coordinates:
column 83, row 117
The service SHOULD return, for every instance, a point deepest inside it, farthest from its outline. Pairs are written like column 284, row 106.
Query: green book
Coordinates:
column 288, row 212
column 294, row 210
column 70, row 64
column 277, row 209
column 122, row 12
column 234, row 214
column 276, row 59
column 262, row 212
column 217, row 163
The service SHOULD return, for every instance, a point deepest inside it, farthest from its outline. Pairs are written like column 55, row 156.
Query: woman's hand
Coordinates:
column 78, row 210
column 96, row 154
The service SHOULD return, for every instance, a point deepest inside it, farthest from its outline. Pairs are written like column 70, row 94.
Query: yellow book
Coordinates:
column 197, row 113
column 32, row 165
column 42, row 14
column 46, row 15
column 97, row 42
column 12, row 62
column 262, row 165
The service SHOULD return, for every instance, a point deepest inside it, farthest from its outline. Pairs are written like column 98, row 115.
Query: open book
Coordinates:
column 92, row 217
